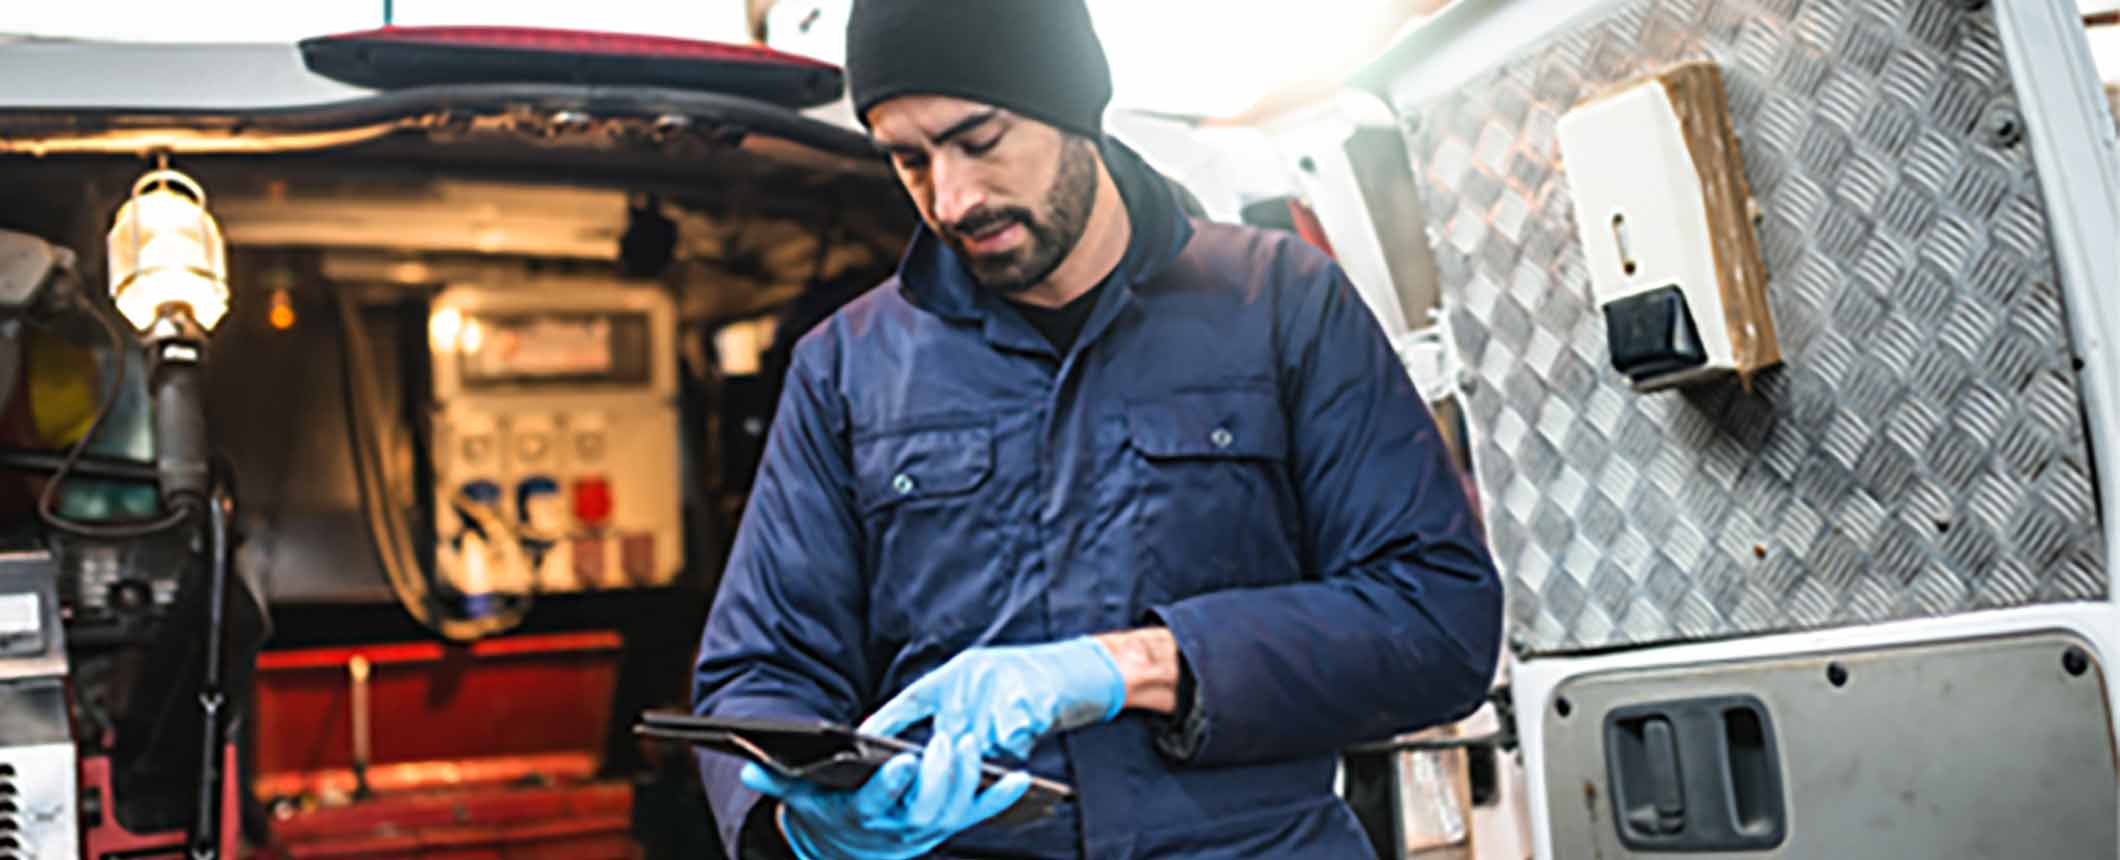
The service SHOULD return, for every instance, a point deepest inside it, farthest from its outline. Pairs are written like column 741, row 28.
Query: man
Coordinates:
column 1144, row 503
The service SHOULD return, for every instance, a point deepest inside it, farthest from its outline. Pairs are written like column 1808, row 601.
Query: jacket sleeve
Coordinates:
column 785, row 636
column 1398, row 624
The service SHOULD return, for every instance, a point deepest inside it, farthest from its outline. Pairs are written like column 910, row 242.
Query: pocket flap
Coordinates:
column 921, row 464
column 1219, row 424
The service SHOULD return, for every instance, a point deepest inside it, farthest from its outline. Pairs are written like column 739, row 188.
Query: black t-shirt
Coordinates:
column 1063, row 324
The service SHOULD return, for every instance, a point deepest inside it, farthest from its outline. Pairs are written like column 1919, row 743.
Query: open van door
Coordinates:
column 1861, row 606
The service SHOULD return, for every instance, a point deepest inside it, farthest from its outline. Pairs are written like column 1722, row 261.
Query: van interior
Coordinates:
column 336, row 254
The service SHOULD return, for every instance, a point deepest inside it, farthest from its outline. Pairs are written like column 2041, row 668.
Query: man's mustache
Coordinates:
column 983, row 220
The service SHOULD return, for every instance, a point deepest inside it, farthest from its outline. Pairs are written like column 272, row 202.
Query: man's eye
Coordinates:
column 981, row 148
column 908, row 161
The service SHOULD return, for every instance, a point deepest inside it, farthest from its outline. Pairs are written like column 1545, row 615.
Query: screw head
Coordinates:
column 2002, row 125
column 2075, row 661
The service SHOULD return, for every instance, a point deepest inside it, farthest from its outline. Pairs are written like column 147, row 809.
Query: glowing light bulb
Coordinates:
column 443, row 329
column 166, row 253
column 474, row 337
column 282, row 317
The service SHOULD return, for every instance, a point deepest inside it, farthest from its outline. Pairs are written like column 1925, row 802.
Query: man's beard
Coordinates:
column 1052, row 234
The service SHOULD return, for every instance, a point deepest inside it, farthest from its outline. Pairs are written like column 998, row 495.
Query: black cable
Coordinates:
column 47, row 509
column 89, row 466
column 410, row 580
column 206, row 822
column 223, row 479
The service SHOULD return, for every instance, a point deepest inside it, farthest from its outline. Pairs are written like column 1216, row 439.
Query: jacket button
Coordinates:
column 903, row 484
column 1221, row 437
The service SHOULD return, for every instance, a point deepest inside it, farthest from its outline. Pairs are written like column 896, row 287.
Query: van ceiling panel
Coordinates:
column 734, row 255
column 446, row 216
column 1921, row 453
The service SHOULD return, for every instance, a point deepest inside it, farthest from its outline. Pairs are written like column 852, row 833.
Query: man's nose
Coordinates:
column 957, row 193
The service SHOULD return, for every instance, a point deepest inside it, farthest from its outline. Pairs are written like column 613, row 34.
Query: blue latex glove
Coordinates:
column 1010, row 697
column 907, row 809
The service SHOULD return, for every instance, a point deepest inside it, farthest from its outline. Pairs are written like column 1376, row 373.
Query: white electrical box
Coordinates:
column 1664, row 215
column 556, row 456
column 40, row 796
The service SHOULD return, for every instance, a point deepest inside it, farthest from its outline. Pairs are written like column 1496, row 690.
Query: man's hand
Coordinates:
column 907, row 809
column 1009, row 697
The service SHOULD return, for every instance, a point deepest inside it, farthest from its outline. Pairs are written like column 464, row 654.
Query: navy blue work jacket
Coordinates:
column 1230, row 449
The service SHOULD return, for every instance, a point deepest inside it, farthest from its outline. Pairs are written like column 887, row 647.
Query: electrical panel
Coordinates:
column 554, row 439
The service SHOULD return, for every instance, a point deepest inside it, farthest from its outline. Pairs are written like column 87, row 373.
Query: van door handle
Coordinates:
column 1695, row 775
column 1665, row 813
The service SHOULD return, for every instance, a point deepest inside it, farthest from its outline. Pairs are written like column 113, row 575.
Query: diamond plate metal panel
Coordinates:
column 1921, row 452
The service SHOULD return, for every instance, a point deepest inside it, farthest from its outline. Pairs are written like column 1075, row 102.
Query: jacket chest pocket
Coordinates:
column 930, row 539
column 1213, row 505
column 919, row 467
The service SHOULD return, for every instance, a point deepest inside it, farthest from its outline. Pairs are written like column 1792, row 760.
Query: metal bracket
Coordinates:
column 1430, row 361
column 1503, row 739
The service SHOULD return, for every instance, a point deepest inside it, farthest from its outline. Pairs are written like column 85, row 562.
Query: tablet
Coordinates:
column 827, row 754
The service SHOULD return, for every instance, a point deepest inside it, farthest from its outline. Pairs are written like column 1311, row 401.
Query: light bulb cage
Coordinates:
column 167, row 252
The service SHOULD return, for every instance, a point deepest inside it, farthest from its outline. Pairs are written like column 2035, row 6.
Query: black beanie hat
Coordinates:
column 1038, row 58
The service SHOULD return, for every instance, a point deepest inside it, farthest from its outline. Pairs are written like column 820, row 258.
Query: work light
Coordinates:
column 169, row 279
column 166, row 255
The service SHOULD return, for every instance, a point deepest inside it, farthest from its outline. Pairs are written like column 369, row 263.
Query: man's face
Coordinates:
column 1010, row 194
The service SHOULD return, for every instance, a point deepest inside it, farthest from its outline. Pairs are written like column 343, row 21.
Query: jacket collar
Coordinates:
column 935, row 279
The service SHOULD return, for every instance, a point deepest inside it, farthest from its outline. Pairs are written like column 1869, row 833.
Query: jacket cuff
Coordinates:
column 1179, row 736
column 761, row 838
column 736, row 808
